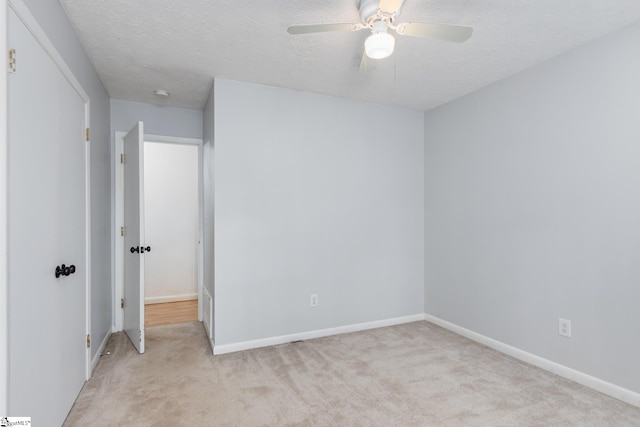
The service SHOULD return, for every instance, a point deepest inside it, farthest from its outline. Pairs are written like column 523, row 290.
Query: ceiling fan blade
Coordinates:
column 323, row 28
column 390, row 6
column 367, row 64
column 449, row 32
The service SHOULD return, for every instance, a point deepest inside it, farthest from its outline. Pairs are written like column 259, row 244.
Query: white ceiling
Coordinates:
column 143, row 45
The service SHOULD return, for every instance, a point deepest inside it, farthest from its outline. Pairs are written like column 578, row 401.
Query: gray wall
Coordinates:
column 52, row 19
column 533, row 211
column 158, row 119
column 314, row 194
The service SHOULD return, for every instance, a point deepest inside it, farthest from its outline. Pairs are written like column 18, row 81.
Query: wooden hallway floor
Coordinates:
column 169, row 313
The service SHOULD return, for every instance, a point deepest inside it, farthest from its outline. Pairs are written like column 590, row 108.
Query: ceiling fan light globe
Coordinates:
column 379, row 46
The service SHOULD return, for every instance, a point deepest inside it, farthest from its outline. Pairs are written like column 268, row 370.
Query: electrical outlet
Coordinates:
column 564, row 327
column 314, row 300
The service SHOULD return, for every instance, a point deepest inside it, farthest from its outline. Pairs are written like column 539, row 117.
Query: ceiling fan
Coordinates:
column 379, row 16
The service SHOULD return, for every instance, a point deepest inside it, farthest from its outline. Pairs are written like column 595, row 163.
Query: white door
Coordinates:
column 134, row 248
column 47, row 228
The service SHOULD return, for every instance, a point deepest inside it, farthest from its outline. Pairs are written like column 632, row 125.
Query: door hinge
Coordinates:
column 12, row 60
column 88, row 340
column 121, row 302
column 122, row 232
column 87, row 133
column 122, row 158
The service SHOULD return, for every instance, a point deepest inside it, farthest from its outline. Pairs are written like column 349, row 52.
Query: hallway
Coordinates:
column 169, row 313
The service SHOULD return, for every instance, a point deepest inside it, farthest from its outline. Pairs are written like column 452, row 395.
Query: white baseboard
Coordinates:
column 170, row 298
column 96, row 357
column 282, row 339
column 597, row 384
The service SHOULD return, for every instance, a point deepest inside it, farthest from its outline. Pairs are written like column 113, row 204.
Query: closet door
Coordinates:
column 47, row 228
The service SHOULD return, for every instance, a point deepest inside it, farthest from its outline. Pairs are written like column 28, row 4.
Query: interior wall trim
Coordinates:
column 4, row 250
column 170, row 298
column 103, row 345
column 579, row 377
column 301, row 336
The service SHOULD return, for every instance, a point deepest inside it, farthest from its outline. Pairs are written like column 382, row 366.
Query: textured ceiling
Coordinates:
column 138, row 46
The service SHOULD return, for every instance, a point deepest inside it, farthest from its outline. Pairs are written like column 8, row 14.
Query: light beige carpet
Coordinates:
column 415, row 374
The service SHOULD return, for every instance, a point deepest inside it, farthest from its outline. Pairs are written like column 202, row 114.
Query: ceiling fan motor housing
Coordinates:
column 369, row 11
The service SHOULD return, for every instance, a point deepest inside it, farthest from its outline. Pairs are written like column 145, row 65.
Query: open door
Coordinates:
column 134, row 236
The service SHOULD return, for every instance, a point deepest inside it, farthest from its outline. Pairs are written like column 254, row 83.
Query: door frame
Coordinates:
column 24, row 14
column 4, row 294
column 118, row 245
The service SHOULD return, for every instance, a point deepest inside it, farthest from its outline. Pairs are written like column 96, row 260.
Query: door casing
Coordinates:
column 4, row 288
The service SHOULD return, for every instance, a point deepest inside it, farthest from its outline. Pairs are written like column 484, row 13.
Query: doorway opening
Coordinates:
column 173, row 229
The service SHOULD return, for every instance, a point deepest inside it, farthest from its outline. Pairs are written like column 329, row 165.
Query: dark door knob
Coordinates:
column 63, row 270
column 136, row 249
column 143, row 249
